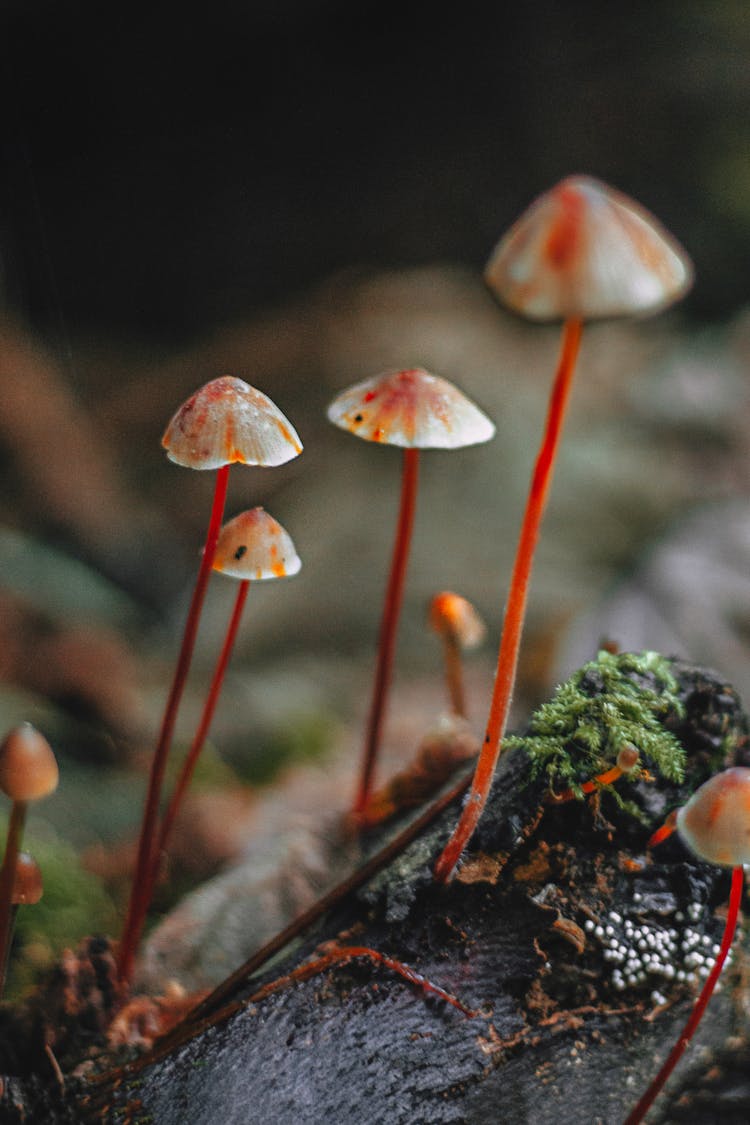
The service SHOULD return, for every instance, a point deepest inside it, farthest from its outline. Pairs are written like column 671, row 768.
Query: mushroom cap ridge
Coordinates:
column 585, row 250
column 254, row 547
column 413, row 409
column 227, row 421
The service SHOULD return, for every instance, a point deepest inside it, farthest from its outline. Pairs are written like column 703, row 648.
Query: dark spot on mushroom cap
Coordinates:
column 240, row 552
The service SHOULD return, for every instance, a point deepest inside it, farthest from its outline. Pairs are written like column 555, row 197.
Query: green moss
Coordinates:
column 613, row 701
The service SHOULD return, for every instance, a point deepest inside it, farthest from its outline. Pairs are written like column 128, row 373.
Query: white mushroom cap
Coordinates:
column 585, row 250
column 253, row 547
column 413, row 409
column 715, row 822
column 226, row 421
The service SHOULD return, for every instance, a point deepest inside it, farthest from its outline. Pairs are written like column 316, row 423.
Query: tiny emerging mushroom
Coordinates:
column 414, row 410
column 224, row 422
column 28, row 888
column 460, row 627
column 252, row 547
column 28, row 772
column 715, row 826
column 581, row 251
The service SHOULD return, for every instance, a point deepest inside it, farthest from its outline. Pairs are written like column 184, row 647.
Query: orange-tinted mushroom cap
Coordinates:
column 253, row 546
column 585, row 250
column 451, row 614
column 412, row 409
column 27, row 881
column 28, row 768
column 229, row 421
column 715, row 822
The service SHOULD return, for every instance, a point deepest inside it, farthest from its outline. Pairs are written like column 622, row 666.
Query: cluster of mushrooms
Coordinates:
column 582, row 251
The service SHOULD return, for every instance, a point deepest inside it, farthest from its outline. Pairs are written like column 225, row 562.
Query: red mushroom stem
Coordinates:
column 389, row 622
column 199, row 739
column 7, row 878
column 735, row 897
column 515, row 611
column 140, row 894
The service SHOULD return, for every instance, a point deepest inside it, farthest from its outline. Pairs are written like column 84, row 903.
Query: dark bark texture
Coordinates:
column 530, row 935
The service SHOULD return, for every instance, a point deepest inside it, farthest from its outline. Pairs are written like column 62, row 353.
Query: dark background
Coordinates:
column 167, row 169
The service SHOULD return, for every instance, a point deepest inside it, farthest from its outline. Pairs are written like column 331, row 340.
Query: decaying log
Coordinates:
column 530, row 935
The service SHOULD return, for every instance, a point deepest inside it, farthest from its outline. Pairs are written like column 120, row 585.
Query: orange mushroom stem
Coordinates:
column 715, row 825
column 581, row 251
column 627, row 760
column 515, row 611
column 388, row 625
column 141, row 893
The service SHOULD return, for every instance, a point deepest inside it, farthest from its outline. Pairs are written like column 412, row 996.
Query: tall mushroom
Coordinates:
column 252, row 547
column 415, row 410
column 582, row 251
column 224, row 422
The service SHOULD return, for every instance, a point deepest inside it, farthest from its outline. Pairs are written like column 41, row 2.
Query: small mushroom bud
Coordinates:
column 627, row 759
column 459, row 625
column 27, row 885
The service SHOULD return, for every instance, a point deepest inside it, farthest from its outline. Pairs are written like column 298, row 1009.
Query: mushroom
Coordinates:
column 252, row 547
column 27, row 890
column 222, row 423
column 459, row 626
column 415, row 410
column 28, row 772
column 582, row 251
column 715, row 825
column 627, row 760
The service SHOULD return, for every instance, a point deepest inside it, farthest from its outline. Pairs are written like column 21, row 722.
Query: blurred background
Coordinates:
column 303, row 194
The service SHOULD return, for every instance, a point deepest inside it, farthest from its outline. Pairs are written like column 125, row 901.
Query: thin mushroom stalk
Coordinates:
column 251, row 547
column 515, row 612
column 580, row 252
column 414, row 410
column 222, row 423
column 459, row 627
column 394, row 597
column 715, row 825
column 26, row 889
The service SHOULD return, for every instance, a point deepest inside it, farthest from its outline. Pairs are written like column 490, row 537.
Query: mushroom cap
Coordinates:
column 585, row 250
column 253, row 547
column 715, row 822
column 28, row 768
column 450, row 613
column 27, row 881
column 412, row 409
column 226, row 421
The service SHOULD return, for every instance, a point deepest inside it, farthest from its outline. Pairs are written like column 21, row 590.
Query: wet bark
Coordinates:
column 529, row 936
